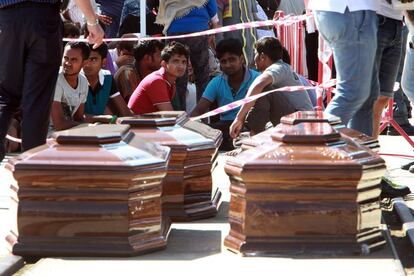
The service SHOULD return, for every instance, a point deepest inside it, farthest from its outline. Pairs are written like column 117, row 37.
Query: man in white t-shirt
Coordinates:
column 71, row 88
column 350, row 28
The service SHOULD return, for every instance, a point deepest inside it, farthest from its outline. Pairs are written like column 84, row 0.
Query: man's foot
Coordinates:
column 409, row 129
column 407, row 166
column 392, row 190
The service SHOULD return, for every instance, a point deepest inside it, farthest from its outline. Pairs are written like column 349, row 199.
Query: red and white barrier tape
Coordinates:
column 241, row 102
column 288, row 20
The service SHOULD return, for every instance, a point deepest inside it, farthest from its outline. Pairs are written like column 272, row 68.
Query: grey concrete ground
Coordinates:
column 197, row 248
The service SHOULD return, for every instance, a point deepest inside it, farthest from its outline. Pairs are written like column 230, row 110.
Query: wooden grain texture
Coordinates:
column 92, row 199
column 187, row 189
column 299, row 197
column 291, row 120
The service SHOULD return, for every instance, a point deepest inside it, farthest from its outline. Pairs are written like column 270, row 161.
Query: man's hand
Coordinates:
column 235, row 128
column 96, row 33
column 95, row 36
column 106, row 20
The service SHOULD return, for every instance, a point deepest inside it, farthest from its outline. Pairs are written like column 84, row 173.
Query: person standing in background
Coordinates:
column 30, row 59
column 183, row 17
column 232, row 12
column 113, row 10
column 350, row 29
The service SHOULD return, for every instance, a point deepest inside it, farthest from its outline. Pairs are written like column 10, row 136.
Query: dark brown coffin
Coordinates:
column 94, row 191
column 187, row 189
column 312, row 116
column 311, row 191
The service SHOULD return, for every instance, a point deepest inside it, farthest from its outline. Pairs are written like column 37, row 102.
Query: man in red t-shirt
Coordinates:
column 155, row 91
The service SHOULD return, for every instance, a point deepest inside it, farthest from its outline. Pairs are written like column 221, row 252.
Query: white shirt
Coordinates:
column 71, row 98
column 386, row 10
column 341, row 5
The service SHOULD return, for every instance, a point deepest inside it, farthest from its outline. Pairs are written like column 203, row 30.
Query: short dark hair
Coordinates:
column 82, row 46
column 271, row 47
column 70, row 29
column 229, row 45
column 102, row 50
column 147, row 47
column 127, row 45
column 174, row 48
column 286, row 56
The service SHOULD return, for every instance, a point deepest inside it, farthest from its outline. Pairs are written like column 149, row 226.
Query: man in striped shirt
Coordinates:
column 31, row 52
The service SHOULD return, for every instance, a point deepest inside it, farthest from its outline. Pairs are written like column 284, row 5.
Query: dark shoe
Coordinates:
column 390, row 190
column 409, row 129
column 407, row 166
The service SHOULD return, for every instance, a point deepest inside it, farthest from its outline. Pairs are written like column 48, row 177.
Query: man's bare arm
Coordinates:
column 164, row 107
column 202, row 107
column 58, row 118
column 96, row 33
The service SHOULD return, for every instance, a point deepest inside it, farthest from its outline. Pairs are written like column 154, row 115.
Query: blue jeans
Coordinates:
column 400, row 110
column 353, row 39
column 407, row 78
column 387, row 61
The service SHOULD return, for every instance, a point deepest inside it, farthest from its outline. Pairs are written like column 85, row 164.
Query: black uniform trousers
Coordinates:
column 30, row 55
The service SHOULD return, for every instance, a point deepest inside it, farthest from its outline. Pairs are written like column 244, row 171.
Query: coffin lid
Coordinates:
column 174, row 136
column 291, row 159
column 359, row 137
column 173, row 129
column 305, row 133
column 310, row 116
column 101, row 147
column 99, row 134
column 155, row 119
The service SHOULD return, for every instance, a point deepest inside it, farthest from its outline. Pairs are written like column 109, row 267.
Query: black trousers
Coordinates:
column 30, row 55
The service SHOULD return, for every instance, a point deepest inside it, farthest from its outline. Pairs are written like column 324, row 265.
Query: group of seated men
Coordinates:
column 147, row 84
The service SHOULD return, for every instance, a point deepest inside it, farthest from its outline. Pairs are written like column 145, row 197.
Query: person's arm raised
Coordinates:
column 96, row 33
column 202, row 107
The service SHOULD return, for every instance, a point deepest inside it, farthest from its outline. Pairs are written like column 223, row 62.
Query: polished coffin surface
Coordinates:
column 93, row 191
column 187, row 188
column 310, row 191
column 312, row 117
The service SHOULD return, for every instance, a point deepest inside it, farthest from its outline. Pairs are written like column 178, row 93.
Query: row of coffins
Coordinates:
column 113, row 190
column 307, row 185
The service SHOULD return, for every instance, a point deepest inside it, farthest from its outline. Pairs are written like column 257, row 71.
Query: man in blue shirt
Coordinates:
column 31, row 52
column 230, row 86
column 189, row 16
column 113, row 9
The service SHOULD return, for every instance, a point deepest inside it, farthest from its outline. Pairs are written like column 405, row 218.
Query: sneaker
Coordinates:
column 392, row 190
column 409, row 129
column 407, row 166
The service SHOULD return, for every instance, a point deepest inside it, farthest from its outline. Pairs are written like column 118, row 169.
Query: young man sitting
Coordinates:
column 155, row 91
column 230, row 86
column 103, row 96
column 147, row 60
column 71, row 88
column 275, row 74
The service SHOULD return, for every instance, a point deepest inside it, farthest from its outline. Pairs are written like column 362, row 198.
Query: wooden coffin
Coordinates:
column 311, row 191
column 187, row 188
column 312, row 116
column 93, row 191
